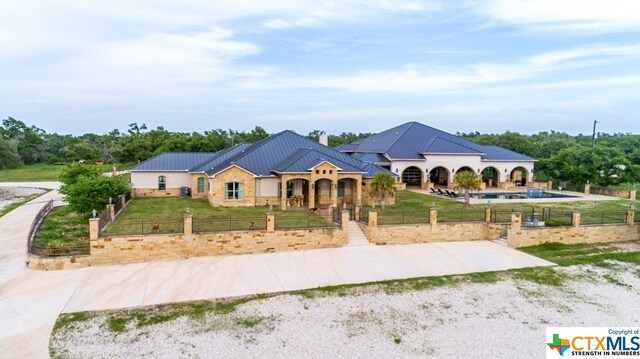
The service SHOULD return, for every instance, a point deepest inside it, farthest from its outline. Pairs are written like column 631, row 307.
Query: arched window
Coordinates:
column 233, row 190
column 200, row 185
column 162, row 183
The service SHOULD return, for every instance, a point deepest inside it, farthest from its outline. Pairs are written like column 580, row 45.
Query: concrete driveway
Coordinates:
column 30, row 301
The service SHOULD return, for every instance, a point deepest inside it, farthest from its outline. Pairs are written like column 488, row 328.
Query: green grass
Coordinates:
column 575, row 254
column 62, row 232
column 249, row 322
column 22, row 201
column 66, row 320
column 141, row 214
column 414, row 208
column 44, row 172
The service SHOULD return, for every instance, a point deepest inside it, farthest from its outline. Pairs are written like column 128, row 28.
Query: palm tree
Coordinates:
column 466, row 180
column 383, row 185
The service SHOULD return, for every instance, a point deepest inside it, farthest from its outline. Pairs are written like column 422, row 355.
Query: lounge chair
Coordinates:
column 450, row 193
column 440, row 192
column 433, row 190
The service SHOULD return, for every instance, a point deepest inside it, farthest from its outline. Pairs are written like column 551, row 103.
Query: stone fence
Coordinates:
column 432, row 231
column 520, row 236
column 144, row 248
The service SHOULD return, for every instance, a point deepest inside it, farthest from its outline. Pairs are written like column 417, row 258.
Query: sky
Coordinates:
column 491, row 66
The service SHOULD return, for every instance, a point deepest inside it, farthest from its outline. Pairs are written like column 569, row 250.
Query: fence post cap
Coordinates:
column 631, row 206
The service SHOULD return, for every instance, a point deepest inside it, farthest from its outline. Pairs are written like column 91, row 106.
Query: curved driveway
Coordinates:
column 30, row 301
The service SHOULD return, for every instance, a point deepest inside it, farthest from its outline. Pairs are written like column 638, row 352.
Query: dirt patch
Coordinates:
column 10, row 195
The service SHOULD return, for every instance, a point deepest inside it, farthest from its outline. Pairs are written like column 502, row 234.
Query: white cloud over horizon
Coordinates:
column 77, row 66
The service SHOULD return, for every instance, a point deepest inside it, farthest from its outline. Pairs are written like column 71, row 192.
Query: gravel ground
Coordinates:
column 506, row 319
column 10, row 195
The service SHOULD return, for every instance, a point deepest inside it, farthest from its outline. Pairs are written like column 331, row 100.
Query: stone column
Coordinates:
column 357, row 213
column 575, row 218
column 112, row 212
column 312, row 194
column 94, row 228
column 631, row 215
column 271, row 222
column 433, row 217
column 114, row 171
column 373, row 219
column 122, row 200
column 549, row 184
column 283, row 193
column 587, row 189
column 487, row 214
column 358, row 194
column 516, row 220
column 344, row 219
column 333, row 189
column 188, row 225
column 632, row 195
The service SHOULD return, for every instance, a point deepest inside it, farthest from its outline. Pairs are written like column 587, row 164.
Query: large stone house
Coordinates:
column 285, row 169
column 424, row 156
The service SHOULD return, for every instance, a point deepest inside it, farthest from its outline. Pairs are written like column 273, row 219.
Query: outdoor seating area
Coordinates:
column 446, row 193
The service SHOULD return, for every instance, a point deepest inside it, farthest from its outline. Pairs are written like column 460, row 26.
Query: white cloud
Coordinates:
column 432, row 79
column 564, row 15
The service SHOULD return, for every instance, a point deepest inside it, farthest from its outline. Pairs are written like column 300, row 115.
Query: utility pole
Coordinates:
column 593, row 137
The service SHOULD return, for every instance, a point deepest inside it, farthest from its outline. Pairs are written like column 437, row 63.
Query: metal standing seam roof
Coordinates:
column 173, row 161
column 372, row 157
column 411, row 139
column 220, row 157
column 262, row 157
column 303, row 160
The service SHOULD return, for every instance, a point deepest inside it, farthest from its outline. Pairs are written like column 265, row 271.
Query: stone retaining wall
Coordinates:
column 439, row 232
column 531, row 236
column 147, row 248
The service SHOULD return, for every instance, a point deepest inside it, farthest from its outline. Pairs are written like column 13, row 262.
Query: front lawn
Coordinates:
column 165, row 215
column 412, row 207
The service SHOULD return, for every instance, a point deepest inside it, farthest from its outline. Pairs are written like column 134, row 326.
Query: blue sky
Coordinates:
column 488, row 66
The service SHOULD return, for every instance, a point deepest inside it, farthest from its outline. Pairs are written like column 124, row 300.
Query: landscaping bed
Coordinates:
column 62, row 232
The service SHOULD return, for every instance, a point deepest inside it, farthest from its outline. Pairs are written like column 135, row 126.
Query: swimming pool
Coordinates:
column 530, row 193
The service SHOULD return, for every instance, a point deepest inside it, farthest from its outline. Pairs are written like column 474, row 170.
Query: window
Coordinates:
column 201, row 185
column 233, row 190
column 290, row 189
column 162, row 183
column 341, row 186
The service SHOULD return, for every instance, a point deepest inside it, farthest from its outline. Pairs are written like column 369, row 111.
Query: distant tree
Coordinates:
column 382, row 186
column 89, row 193
column 9, row 157
column 466, row 181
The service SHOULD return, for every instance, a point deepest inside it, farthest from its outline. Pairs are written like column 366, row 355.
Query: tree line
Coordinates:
column 613, row 160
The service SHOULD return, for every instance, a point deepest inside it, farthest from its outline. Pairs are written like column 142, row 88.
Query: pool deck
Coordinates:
column 578, row 196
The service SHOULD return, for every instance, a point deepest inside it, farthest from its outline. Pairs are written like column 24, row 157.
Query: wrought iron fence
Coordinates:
column 61, row 248
column 461, row 215
column 337, row 216
column 602, row 217
column 145, row 226
column 35, row 224
column 103, row 219
column 215, row 224
column 364, row 216
column 403, row 217
column 501, row 215
column 301, row 221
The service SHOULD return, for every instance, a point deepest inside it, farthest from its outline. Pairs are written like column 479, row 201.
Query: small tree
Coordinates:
column 383, row 185
column 88, row 193
column 70, row 175
column 466, row 180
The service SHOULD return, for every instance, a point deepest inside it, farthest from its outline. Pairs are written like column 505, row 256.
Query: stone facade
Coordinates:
column 154, row 192
column 233, row 174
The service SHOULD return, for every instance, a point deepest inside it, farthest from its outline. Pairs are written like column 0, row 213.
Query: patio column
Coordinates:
column 333, row 188
column 358, row 193
column 283, row 193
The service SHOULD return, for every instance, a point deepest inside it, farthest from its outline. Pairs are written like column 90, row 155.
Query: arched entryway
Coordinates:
column 465, row 169
column 412, row 176
column 297, row 193
column 439, row 176
column 347, row 189
column 519, row 176
column 491, row 176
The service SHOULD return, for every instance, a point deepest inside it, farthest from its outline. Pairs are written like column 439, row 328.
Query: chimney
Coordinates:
column 324, row 139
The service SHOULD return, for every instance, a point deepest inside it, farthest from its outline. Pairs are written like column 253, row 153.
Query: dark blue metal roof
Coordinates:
column 263, row 156
column 304, row 160
column 372, row 169
column 173, row 161
column 371, row 157
column 441, row 145
column 412, row 139
column 220, row 157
